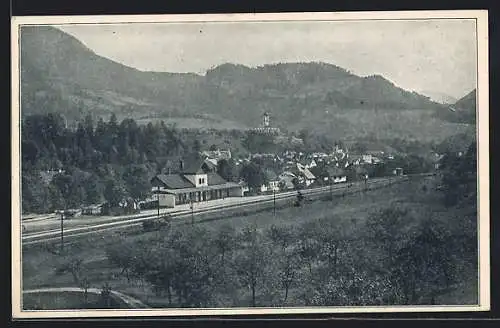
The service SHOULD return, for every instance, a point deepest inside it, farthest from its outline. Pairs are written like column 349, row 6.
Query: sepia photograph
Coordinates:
column 250, row 164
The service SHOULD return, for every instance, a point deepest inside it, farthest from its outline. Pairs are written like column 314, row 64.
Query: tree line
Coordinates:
column 97, row 161
column 107, row 161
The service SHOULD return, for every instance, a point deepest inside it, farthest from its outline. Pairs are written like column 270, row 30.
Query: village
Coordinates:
column 218, row 174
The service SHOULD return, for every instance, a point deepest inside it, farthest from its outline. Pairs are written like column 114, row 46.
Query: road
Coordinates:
column 130, row 301
column 182, row 212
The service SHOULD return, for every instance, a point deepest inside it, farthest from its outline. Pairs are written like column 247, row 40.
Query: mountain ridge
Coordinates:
column 60, row 74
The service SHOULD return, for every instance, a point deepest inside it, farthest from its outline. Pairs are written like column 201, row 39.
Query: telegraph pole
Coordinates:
column 274, row 201
column 331, row 188
column 158, row 199
column 62, row 232
column 191, row 205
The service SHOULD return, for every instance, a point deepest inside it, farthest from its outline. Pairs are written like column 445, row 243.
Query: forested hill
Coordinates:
column 60, row 74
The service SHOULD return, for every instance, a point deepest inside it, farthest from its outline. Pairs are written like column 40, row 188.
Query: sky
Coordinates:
column 431, row 55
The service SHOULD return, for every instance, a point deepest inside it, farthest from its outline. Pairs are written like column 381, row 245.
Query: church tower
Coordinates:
column 265, row 120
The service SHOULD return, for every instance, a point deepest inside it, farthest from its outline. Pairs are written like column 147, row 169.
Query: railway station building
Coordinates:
column 193, row 184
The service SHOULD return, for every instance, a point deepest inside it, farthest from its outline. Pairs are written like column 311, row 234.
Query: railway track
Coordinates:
column 181, row 215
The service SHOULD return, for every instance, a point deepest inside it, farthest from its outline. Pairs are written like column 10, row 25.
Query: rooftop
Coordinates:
column 178, row 181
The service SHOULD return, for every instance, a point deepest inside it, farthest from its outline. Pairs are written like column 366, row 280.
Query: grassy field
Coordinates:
column 40, row 266
column 195, row 123
column 67, row 300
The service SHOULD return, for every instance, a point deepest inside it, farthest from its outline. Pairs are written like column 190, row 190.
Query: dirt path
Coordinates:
column 130, row 301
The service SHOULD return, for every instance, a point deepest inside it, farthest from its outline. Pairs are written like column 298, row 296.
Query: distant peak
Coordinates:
column 229, row 66
column 375, row 77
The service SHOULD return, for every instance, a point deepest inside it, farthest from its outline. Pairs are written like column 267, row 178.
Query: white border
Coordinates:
column 481, row 17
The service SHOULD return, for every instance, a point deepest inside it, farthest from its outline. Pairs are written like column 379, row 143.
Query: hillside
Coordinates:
column 59, row 73
column 468, row 102
column 463, row 111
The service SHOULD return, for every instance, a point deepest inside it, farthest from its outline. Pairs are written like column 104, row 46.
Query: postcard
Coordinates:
column 228, row 164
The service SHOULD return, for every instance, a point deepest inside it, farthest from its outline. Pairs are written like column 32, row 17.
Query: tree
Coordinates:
column 308, row 245
column 94, row 189
column 359, row 147
column 36, row 195
column 332, row 240
column 74, row 266
column 422, row 265
column 251, row 264
column 286, row 263
column 253, row 175
column 226, row 169
column 29, row 151
column 196, row 146
column 225, row 241
column 281, row 236
column 359, row 290
column 385, row 231
column 122, row 255
column 136, row 178
column 114, row 191
column 105, row 296
column 194, row 269
column 57, row 201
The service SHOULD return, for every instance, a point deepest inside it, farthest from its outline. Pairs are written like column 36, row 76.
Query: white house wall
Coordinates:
column 340, row 179
column 166, row 200
column 194, row 179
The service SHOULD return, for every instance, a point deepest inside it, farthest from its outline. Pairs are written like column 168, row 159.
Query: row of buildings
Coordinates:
column 199, row 181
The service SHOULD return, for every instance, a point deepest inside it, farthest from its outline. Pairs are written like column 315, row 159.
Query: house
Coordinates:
column 303, row 174
column 286, row 180
column 338, row 155
column 244, row 187
column 95, row 209
column 437, row 160
column 367, row 158
column 272, row 180
column 217, row 154
column 209, row 165
column 355, row 159
column 296, row 141
column 129, row 204
column 397, row 171
column 311, row 164
column 336, row 175
column 193, row 184
column 377, row 153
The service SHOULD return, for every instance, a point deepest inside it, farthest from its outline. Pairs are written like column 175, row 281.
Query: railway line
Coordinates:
column 181, row 216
